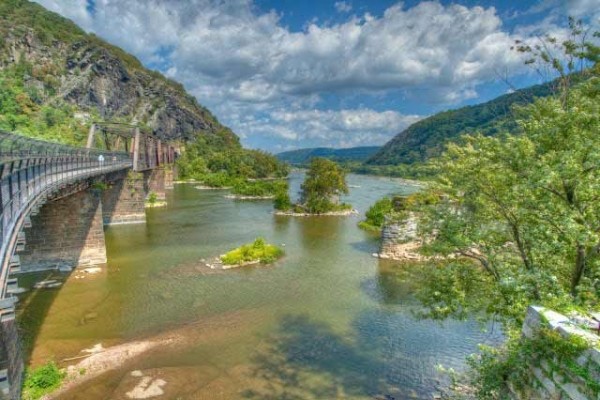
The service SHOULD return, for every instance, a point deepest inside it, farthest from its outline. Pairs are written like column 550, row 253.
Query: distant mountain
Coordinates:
column 427, row 138
column 303, row 156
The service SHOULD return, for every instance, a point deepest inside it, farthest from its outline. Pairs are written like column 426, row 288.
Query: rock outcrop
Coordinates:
column 400, row 241
column 70, row 65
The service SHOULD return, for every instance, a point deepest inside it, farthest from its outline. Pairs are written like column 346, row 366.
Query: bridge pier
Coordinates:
column 125, row 198
column 67, row 231
column 11, row 365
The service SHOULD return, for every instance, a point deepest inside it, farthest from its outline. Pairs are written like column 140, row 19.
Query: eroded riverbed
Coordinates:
column 328, row 321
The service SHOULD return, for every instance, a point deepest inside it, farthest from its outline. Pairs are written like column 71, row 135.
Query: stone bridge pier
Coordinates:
column 68, row 230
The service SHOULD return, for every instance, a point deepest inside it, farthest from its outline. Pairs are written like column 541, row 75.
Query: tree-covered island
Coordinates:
column 320, row 193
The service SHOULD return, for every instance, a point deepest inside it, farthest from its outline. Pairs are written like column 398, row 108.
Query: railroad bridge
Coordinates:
column 56, row 200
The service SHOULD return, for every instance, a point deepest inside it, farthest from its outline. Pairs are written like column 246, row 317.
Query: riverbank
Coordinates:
column 203, row 187
column 126, row 369
column 342, row 213
column 242, row 197
column 219, row 265
column 99, row 360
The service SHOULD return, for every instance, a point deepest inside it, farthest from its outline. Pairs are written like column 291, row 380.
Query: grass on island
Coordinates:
column 42, row 380
column 259, row 250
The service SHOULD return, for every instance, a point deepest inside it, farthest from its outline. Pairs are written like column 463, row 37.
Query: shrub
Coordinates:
column 152, row 198
column 282, row 201
column 375, row 216
column 42, row 380
column 259, row 250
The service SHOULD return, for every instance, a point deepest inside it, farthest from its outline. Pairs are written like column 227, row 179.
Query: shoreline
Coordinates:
column 243, row 197
column 203, row 187
column 343, row 213
column 157, row 204
column 100, row 360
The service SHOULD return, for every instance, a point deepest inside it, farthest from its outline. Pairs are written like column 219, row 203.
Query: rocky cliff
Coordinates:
column 63, row 64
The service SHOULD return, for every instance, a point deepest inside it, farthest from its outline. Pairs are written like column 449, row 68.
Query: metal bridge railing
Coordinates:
column 31, row 170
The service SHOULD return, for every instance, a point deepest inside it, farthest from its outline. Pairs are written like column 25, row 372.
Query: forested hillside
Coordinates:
column 352, row 154
column 428, row 137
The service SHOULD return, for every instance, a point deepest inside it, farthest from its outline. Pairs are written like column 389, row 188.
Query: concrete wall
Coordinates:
column 553, row 381
column 66, row 231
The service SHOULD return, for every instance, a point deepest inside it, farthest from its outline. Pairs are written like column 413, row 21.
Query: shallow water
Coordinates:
column 328, row 321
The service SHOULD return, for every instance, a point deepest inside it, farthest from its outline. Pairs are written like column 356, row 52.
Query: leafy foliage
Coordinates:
column 513, row 362
column 42, row 380
column 260, row 188
column 23, row 109
column 259, row 250
column 282, row 201
column 325, row 181
column 152, row 198
column 219, row 161
column 375, row 216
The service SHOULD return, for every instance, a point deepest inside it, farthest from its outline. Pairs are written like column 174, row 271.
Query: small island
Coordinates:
column 324, row 183
column 258, row 252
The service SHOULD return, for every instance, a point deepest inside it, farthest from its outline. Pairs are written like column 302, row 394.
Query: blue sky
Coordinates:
column 289, row 74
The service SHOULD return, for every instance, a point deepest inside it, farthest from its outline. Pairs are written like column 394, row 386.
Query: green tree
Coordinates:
column 325, row 181
column 523, row 214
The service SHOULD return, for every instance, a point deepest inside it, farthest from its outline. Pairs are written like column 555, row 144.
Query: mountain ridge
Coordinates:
column 427, row 138
column 303, row 156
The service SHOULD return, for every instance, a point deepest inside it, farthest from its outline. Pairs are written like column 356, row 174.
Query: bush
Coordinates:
column 152, row 198
column 282, row 201
column 375, row 216
column 259, row 188
column 42, row 380
column 259, row 250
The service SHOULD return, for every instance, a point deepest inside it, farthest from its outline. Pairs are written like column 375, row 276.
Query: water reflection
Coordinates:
column 382, row 357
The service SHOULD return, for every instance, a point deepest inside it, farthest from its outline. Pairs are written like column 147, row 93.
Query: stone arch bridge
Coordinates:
column 55, row 200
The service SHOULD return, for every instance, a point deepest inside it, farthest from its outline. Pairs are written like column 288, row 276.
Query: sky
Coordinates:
column 287, row 74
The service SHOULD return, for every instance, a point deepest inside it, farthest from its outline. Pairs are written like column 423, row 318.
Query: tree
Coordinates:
column 325, row 181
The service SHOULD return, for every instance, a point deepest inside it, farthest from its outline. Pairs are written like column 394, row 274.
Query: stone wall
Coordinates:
column 399, row 240
column 12, row 367
column 124, row 199
column 66, row 232
column 557, row 382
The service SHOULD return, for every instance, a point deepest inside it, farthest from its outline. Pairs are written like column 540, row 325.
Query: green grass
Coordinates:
column 259, row 250
column 42, row 380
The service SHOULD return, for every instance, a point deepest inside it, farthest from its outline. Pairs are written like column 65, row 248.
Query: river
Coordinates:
column 328, row 321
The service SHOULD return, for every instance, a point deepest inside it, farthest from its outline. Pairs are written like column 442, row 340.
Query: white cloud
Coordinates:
column 344, row 128
column 237, row 61
column 343, row 6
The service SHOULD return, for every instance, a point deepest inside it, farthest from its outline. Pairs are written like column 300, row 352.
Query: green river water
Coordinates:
column 328, row 321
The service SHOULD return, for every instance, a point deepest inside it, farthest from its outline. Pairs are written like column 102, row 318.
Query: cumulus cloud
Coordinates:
column 346, row 128
column 240, row 62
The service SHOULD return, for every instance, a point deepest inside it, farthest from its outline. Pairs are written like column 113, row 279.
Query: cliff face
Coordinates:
column 68, row 65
